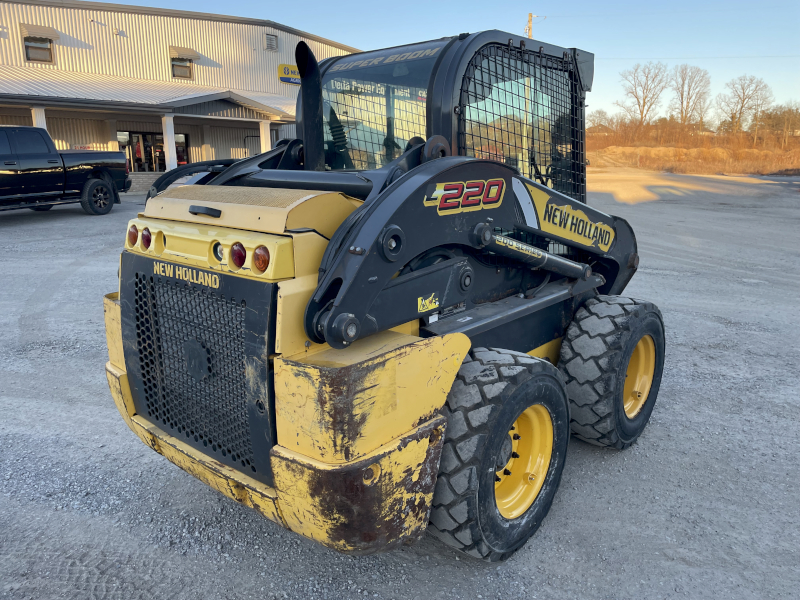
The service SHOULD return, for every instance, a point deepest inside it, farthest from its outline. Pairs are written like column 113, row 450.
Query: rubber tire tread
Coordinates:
column 467, row 396
column 592, row 354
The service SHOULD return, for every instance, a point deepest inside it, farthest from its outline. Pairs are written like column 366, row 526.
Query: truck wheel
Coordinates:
column 97, row 197
column 612, row 358
column 44, row 208
column 505, row 445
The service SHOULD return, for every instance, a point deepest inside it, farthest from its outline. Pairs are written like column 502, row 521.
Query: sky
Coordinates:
column 728, row 38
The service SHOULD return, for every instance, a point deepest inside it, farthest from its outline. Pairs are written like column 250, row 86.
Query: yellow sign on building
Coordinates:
column 289, row 74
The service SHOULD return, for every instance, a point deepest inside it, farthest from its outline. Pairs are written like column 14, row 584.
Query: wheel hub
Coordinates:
column 100, row 196
column 524, row 461
column 639, row 376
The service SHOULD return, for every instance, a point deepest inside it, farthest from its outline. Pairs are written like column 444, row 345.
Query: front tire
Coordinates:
column 505, row 446
column 97, row 197
column 612, row 359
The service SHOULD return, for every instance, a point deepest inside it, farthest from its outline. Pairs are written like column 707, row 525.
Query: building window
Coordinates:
column 182, row 68
column 38, row 49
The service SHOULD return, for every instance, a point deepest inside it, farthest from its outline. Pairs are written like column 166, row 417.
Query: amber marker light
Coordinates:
column 261, row 258
column 238, row 254
column 133, row 235
column 146, row 238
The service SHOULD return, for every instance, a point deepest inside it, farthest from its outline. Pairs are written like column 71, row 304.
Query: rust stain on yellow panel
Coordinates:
column 551, row 351
column 369, row 505
column 112, row 314
column 339, row 405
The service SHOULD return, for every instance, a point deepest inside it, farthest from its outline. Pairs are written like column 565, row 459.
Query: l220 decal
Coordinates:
column 465, row 196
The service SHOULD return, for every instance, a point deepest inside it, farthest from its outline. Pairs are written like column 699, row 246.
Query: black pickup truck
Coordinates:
column 34, row 175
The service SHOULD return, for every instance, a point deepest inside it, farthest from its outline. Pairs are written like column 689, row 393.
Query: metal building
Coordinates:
column 167, row 87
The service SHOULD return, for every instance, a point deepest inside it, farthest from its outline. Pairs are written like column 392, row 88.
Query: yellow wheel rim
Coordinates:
column 519, row 481
column 639, row 376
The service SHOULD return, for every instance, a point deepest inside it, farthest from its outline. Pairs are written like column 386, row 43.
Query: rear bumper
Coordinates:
column 371, row 504
column 127, row 184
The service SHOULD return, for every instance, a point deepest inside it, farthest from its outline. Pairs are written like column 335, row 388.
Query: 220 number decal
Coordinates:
column 465, row 196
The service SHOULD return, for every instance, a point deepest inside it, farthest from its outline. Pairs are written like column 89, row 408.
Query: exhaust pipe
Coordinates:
column 311, row 108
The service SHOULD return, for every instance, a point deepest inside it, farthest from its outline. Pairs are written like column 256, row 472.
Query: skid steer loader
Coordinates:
column 392, row 323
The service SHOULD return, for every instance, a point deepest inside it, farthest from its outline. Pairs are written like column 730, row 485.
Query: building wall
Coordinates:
column 232, row 54
column 237, row 140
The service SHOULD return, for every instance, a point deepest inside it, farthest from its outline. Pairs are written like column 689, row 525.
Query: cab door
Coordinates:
column 9, row 171
column 41, row 171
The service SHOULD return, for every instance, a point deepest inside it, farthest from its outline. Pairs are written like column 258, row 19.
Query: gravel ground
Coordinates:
column 705, row 505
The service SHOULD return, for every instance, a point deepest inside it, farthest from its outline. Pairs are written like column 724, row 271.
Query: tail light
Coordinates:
column 146, row 238
column 238, row 255
column 133, row 235
column 261, row 259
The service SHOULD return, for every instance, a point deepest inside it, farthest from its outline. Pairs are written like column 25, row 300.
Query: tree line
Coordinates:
column 744, row 114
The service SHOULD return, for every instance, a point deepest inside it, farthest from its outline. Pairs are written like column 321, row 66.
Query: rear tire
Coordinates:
column 41, row 208
column 612, row 340
column 97, row 197
column 495, row 395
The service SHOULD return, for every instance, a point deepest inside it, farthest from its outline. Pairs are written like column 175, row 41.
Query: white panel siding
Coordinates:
column 68, row 133
column 232, row 54
column 229, row 142
column 15, row 120
column 287, row 131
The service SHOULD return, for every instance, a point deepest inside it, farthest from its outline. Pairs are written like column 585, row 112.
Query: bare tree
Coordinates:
column 597, row 118
column 643, row 86
column 737, row 104
column 691, row 86
column 762, row 98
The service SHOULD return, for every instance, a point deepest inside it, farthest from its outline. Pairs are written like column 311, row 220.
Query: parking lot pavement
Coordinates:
column 705, row 505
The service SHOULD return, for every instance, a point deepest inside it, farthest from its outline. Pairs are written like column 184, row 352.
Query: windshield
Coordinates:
column 375, row 102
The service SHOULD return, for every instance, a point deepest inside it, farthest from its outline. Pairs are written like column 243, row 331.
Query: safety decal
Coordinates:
column 518, row 246
column 426, row 304
column 186, row 274
column 559, row 217
column 465, row 196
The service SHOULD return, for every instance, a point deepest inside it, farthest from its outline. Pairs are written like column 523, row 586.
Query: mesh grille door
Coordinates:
column 523, row 109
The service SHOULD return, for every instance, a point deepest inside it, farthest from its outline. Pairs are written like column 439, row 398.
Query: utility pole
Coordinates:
column 529, row 28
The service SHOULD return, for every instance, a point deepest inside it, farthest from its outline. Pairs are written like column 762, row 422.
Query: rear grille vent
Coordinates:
column 191, row 348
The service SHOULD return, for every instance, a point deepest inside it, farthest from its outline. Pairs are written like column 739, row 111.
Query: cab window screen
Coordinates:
column 523, row 109
column 374, row 103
